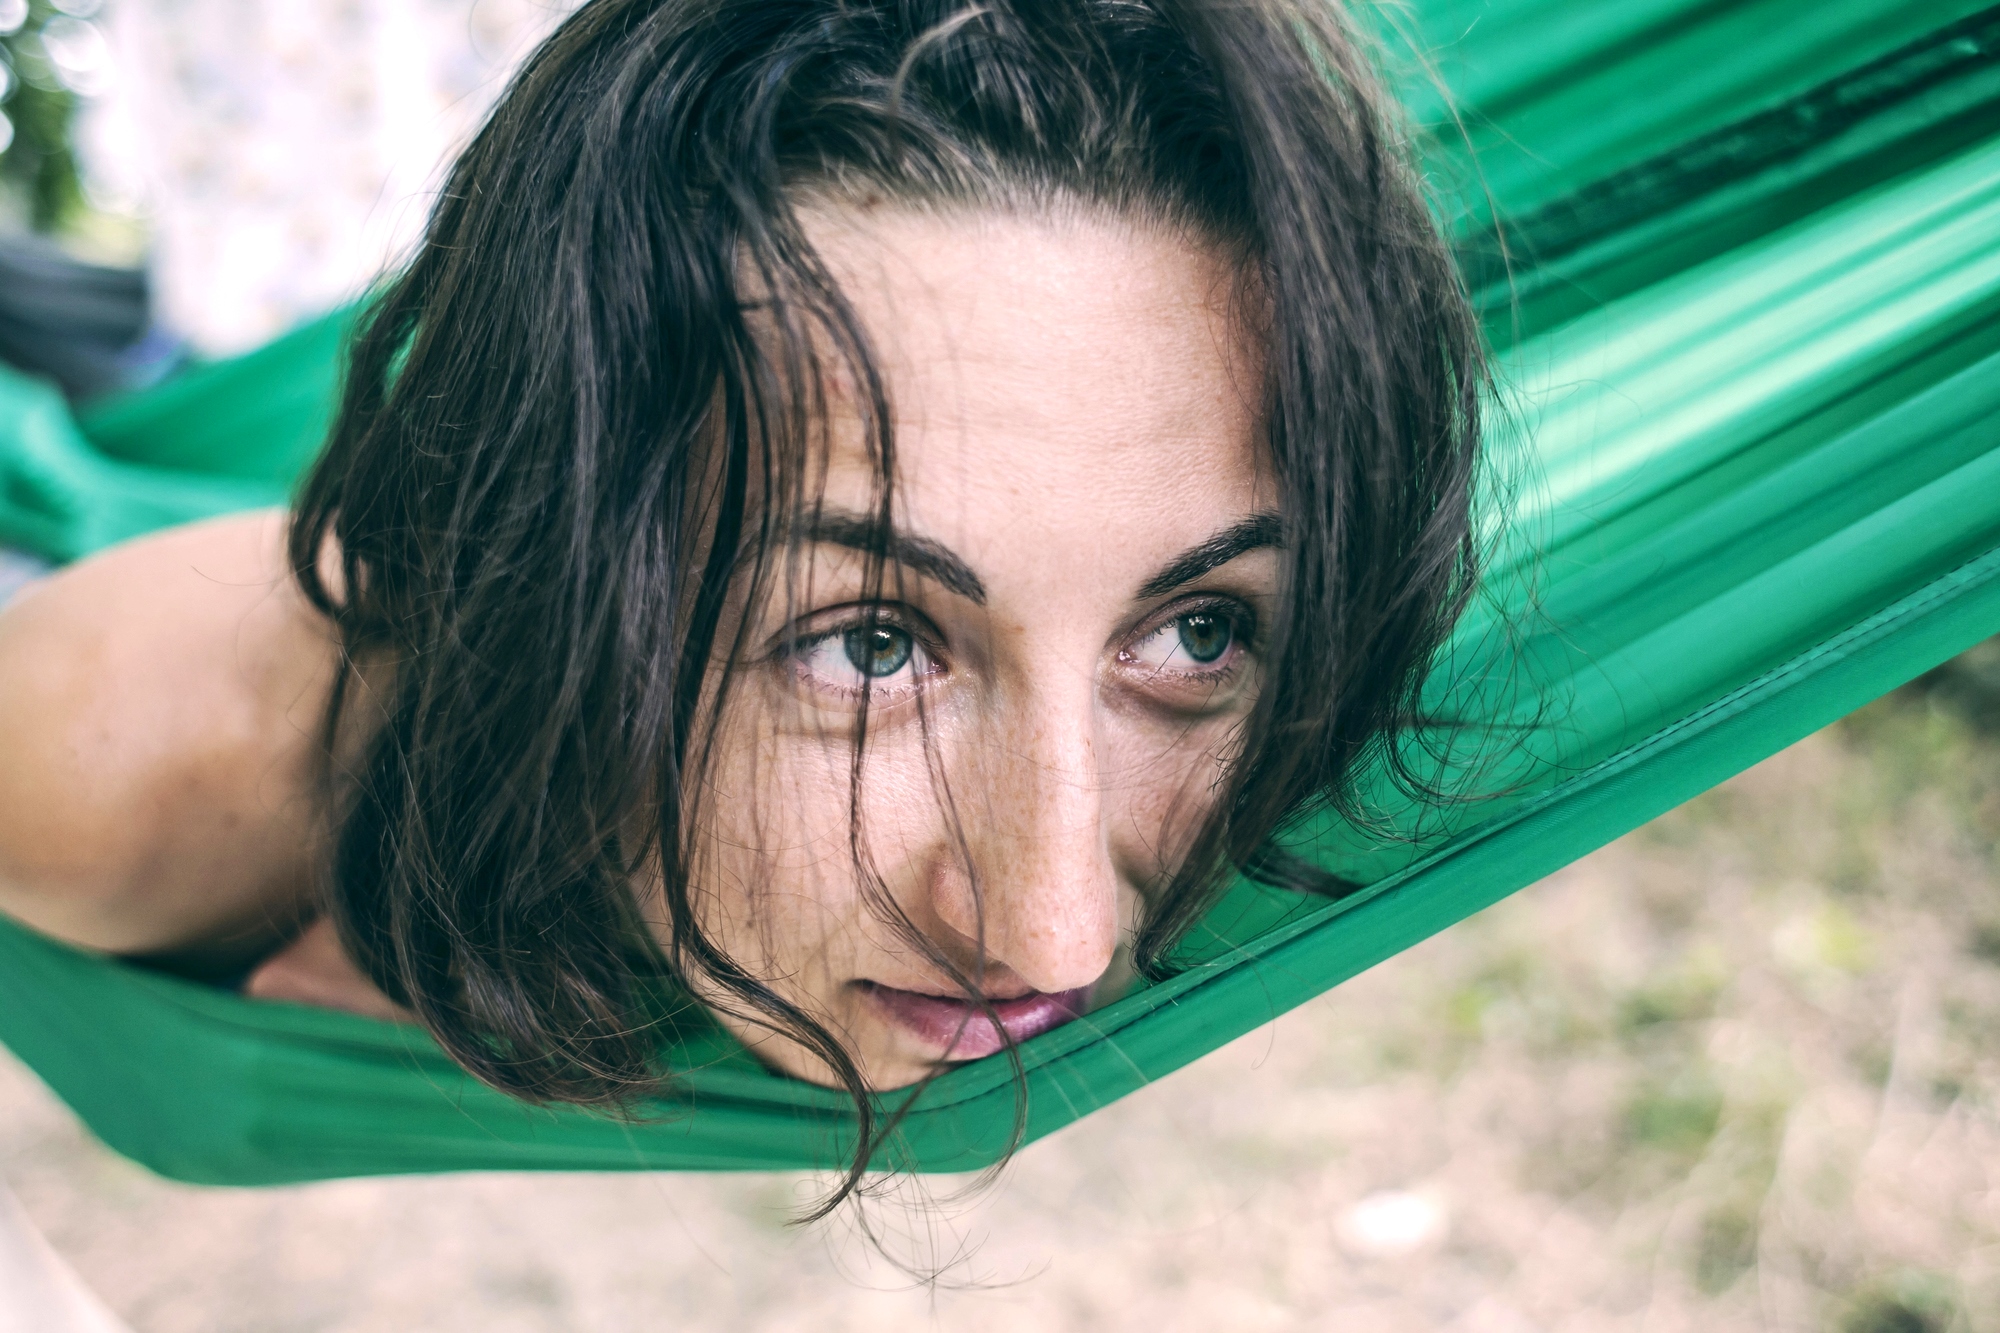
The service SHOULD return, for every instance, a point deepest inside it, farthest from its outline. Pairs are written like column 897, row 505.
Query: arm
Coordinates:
column 160, row 723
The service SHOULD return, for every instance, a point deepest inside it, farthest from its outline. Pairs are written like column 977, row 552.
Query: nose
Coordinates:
column 1034, row 868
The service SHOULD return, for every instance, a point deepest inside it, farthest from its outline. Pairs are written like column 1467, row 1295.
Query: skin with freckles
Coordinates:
column 1064, row 642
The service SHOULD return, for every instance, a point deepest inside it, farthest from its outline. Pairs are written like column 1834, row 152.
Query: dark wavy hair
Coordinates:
column 581, row 417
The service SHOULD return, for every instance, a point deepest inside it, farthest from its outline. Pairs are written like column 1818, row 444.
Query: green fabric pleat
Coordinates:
column 213, row 440
column 1747, row 477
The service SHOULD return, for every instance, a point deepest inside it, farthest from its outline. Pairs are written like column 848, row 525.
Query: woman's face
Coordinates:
column 1066, row 642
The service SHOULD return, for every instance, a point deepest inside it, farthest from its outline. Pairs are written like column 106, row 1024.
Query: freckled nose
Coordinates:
column 1037, row 844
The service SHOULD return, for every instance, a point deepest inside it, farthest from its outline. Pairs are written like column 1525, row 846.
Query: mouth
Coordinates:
column 957, row 1029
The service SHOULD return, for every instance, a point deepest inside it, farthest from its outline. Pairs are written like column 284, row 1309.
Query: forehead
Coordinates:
column 1068, row 378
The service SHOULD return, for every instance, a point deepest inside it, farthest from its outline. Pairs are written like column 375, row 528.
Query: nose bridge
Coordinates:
column 1041, row 858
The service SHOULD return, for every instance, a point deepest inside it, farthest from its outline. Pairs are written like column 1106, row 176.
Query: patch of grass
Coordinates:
column 1465, row 1011
column 1874, row 1060
column 1983, row 942
column 1678, row 1116
column 1726, row 1248
column 1823, row 943
column 1908, row 1302
column 1686, row 824
column 1685, row 994
column 1509, row 995
column 1967, row 687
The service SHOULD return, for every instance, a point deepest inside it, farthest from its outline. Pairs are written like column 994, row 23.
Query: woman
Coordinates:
column 867, row 513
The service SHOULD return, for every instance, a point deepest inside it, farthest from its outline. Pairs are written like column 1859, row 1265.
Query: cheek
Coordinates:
column 776, row 877
column 769, row 858
column 1162, row 783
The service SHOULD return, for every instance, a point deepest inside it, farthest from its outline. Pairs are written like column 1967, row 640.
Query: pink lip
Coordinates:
column 957, row 1029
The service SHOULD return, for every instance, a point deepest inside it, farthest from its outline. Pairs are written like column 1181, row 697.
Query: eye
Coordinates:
column 1205, row 637
column 877, row 651
column 1204, row 642
column 882, row 659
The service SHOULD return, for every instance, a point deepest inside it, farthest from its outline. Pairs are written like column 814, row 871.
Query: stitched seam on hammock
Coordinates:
column 1762, row 141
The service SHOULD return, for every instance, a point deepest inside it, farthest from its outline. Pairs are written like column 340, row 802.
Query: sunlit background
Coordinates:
column 1739, row 1071
column 266, row 158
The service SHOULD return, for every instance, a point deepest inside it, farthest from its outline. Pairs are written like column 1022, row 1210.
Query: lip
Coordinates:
column 956, row 1028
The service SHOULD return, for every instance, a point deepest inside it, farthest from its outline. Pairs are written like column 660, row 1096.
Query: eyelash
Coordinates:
column 1238, row 618
column 924, row 652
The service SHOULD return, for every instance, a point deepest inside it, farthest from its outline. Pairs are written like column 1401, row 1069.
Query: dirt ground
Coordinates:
column 1740, row 1070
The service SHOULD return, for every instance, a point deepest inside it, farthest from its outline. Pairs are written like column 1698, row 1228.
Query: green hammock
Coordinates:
column 1753, row 348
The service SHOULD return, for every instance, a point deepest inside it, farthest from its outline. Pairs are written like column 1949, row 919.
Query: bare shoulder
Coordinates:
column 161, row 706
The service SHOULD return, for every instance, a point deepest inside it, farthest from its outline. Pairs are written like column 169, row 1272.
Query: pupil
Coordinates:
column 877, row 651
column 1205, row 638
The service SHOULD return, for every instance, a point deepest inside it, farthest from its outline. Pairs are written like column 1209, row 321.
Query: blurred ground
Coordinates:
column 1740, row 1070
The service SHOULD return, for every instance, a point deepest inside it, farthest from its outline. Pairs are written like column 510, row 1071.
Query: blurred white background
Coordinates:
column 277, row 155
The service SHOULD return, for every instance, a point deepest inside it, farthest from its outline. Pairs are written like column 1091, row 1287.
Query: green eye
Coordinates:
column 877, row 650
column 1205, row 637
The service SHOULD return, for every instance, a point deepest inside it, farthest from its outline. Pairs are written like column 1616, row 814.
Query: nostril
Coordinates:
column 1067, row 945
column 1031, row 877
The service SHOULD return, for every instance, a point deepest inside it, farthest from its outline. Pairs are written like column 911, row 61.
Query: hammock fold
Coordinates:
column 1753, row 446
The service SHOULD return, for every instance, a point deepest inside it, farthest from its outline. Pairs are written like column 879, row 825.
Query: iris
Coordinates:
column 1203, row 637
column 877, row 650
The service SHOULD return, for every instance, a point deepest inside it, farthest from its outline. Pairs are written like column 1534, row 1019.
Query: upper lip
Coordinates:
column 956, row 994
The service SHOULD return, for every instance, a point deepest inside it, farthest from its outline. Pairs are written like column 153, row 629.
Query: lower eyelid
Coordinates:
column 881, row 692
column 1239, row 644
column 885, row 689
column 1209, row 671
column 1205, row 670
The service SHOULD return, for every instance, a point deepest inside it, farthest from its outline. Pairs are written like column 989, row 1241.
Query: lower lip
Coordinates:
column 959, row 1030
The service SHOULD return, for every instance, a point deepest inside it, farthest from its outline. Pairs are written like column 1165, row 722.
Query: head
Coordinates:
column 873, row 511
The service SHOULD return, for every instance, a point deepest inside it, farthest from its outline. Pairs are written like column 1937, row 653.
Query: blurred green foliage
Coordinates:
column 38, row 167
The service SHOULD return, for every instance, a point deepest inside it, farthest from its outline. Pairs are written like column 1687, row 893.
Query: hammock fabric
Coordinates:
column 1753, row 351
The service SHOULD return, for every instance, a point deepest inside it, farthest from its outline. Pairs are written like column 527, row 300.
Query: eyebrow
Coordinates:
column 1252, row 534
column 918, row 554
column 944, row 567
